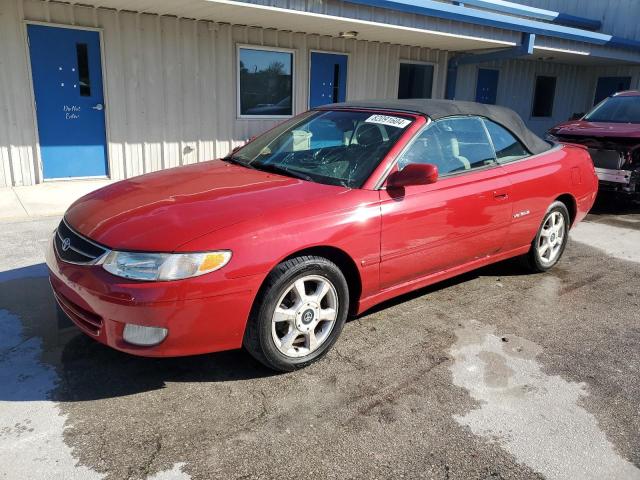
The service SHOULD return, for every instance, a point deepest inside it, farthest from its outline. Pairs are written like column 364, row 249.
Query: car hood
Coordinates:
column 160, row 211
column 597, row 129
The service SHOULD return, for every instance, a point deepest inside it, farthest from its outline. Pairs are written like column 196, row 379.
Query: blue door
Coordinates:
column 487, row 86
column 67, row 83
column 328, row 78
column 610, row 85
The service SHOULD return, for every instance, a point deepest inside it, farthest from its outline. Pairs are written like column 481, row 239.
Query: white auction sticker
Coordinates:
column 397, row 122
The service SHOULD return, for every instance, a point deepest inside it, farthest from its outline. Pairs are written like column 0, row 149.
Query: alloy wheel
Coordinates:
column 304, row 316
column 551, row 238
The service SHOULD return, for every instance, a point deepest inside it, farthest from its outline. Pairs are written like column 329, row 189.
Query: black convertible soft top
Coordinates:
column 436, row 109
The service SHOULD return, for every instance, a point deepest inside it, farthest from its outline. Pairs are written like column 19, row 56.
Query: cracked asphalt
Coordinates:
column 495, row 374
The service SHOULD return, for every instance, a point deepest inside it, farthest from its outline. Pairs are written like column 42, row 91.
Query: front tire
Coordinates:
column 298, row 314
column 551, row 240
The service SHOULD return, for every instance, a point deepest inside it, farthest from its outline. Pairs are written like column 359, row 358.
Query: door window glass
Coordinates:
column 84, row 80
column 336, row 83
column 507, row 147
column 454, row 144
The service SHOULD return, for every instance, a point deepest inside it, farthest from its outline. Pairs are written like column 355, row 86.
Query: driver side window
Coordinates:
column 453, row 144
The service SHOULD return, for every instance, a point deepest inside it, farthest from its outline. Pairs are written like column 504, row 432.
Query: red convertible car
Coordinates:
column 326, row 215
column 611, row 131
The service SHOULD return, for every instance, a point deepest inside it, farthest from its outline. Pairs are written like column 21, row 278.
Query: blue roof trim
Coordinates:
column 578, row 22
column 534, row 12
column 489, row 19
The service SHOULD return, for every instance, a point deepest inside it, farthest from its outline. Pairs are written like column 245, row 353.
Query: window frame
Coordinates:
column 533, row 97
column 418, row 62
column 292, row 51
column 394, row 166
column 495, row 152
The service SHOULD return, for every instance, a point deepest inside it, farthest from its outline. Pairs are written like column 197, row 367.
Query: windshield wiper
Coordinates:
column 267, row 167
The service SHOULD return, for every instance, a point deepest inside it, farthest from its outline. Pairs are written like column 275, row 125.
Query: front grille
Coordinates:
column 86, row 320
column 72, row 247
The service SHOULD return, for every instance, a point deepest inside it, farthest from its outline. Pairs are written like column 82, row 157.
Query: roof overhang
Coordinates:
column 485, row 18
column 242, row 13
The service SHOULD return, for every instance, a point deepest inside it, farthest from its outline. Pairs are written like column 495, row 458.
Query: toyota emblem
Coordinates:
column 66, row 244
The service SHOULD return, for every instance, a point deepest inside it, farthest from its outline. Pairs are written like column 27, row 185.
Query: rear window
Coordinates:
column 616, row 110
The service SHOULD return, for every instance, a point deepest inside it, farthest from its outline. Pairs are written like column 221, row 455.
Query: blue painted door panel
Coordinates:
column 67, row 83
column 487, row 86
column 610, row 85
column 328, row 83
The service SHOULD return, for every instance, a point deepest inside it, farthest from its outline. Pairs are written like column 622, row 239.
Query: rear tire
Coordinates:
column 551, row 240
column 298, row 314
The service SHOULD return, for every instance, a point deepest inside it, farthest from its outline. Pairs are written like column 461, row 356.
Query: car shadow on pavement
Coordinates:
column 608, row 203
column 506, row 268
column 33, row 326
column 88, row 370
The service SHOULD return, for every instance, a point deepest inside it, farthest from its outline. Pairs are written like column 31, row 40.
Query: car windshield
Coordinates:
column 616, row 110
column 336, row 147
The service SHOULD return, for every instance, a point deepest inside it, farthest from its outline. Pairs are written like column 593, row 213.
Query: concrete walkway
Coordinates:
column 44, row 199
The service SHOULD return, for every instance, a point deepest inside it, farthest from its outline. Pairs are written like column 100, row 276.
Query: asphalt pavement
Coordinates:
column 495, row 374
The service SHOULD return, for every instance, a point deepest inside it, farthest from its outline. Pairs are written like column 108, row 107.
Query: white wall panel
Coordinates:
column 170, row 84
column 18, row 163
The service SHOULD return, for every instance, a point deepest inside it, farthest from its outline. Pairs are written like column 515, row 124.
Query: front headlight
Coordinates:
column 164, row 266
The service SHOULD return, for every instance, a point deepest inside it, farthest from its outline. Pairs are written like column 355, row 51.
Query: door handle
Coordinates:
column 500, row 195
column 98, row 107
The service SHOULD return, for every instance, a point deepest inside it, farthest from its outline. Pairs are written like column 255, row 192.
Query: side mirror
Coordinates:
column 413, row 174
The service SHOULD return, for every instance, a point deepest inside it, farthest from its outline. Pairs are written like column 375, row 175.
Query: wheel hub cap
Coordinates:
column 305, row 317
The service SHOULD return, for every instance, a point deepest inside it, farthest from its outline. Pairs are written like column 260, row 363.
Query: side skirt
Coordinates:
column 366, row 303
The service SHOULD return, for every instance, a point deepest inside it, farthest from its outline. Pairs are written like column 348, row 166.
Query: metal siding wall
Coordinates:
column 170, row 84
column 17, row 135
column 516, row 85
column 382, row 15
column 618, row 17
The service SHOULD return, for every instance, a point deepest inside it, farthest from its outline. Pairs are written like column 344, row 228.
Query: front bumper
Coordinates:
column 614, row 176
column 618, row 180
column 203, row 314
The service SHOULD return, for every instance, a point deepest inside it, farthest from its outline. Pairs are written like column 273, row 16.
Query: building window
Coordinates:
column 416, row 80
column 265, row 78
column 543, row 97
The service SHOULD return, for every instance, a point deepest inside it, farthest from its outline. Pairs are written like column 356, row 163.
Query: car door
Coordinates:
column 536, row 181
column 462, row 217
